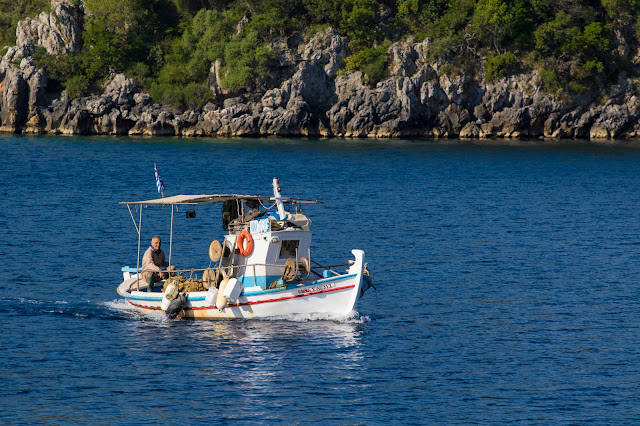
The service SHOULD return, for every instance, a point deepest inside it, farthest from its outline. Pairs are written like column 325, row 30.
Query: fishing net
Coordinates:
column 185, row 284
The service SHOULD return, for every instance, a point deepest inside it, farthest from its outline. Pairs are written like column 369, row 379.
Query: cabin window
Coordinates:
column 288, row 248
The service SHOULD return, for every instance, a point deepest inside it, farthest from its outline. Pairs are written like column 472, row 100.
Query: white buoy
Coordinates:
column 169, row 294
column 221, row 301
column 232, row 290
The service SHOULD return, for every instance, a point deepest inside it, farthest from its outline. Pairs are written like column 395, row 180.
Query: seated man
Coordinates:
column 153, row 260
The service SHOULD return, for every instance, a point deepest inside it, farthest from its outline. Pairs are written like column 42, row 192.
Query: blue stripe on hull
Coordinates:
column 252, row 293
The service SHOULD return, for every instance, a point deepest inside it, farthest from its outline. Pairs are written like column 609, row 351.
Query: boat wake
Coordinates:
column 354, row 318
column 33, row 307
column 122, row 307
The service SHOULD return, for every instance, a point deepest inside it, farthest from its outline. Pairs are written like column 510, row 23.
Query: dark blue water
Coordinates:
column 507, row 285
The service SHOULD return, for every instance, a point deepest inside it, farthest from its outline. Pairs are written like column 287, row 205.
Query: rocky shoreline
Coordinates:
column 310, row 98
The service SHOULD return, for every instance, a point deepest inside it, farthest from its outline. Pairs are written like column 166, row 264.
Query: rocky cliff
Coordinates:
column 309, row 98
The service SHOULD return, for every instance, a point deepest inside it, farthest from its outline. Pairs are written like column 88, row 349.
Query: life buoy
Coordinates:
column 245, row 251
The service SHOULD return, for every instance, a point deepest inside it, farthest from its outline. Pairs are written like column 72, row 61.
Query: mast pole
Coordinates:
column 278, row 198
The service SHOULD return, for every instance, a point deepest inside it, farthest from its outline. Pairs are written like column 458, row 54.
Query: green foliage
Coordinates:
column 275, row 17
column 209, row 37
column 419, row 13
column 244, row 59
column 621, row 10
column 201, row 43
column 118, row 35
column 449, row 32
column 592, row 49
column 168, row 46
column 140, row 73
column 593, row 42
column 499, row 66
column 371, row 62
column 360, row 23
column 551, row 82
column 493, row 20
column 77, row 85
column 108, row 49
column 61, row 68
column 323, row 12
column 193, row 95
column 188, row 8
column 552, row 37
column 12, row 11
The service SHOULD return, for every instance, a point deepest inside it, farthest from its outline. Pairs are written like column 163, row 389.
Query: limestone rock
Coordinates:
column 14, row 101
column 58, row 32
column 326, row 49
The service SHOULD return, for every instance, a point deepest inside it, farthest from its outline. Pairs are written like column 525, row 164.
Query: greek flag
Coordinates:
column 159, row 181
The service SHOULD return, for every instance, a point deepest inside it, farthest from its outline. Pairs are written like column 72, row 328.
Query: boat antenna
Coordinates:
column 159, row 181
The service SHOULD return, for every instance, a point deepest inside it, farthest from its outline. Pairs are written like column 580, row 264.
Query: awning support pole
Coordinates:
column 133, row 219
column 139, row 228
column 171, row 236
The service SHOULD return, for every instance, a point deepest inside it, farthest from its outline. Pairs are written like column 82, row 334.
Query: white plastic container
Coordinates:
column 210, row 298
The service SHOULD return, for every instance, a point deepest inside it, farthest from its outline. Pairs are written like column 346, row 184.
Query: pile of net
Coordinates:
column 185, row 284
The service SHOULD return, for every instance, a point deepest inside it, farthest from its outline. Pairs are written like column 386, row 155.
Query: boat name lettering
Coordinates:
column 316, row 289
column 258, row 226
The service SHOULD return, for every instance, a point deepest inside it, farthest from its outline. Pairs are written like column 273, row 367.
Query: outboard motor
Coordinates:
column 176, row 306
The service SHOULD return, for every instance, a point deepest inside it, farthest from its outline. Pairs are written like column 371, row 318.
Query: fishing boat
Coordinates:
column 262, row 268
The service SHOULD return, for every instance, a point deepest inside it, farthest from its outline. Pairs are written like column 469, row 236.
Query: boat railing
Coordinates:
column 230, row 270
column 233, row 270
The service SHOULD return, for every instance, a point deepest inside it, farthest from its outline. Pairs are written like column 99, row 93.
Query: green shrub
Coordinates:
column 164, row 93
column 552, row 36
column 576, row 87
column 139, row 72
column 192, row 96
column 196, row 95
column 271, row 23
column 210, row 37
column 493, row 22
column 621, row 9
column 589, row 69
column 550, row 81
column 77, row 86
column 245, row 58
column 361, row 24
column 499, row 66
column 372, row 62
column 594, row 42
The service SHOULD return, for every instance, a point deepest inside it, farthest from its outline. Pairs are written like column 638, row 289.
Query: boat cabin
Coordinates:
column 266, row 246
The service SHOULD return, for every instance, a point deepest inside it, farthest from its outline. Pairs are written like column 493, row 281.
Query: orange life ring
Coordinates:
column 244, row 235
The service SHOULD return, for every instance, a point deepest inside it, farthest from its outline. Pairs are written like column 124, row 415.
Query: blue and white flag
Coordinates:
column 159, row 181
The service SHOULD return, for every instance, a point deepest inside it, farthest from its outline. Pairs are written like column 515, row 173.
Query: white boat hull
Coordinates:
column 336, row 296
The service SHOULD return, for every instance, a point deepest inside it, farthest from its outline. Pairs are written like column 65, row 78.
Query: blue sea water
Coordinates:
column 507, row 279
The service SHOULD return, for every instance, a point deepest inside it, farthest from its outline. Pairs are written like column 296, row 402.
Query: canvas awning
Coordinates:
column 213, row 198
